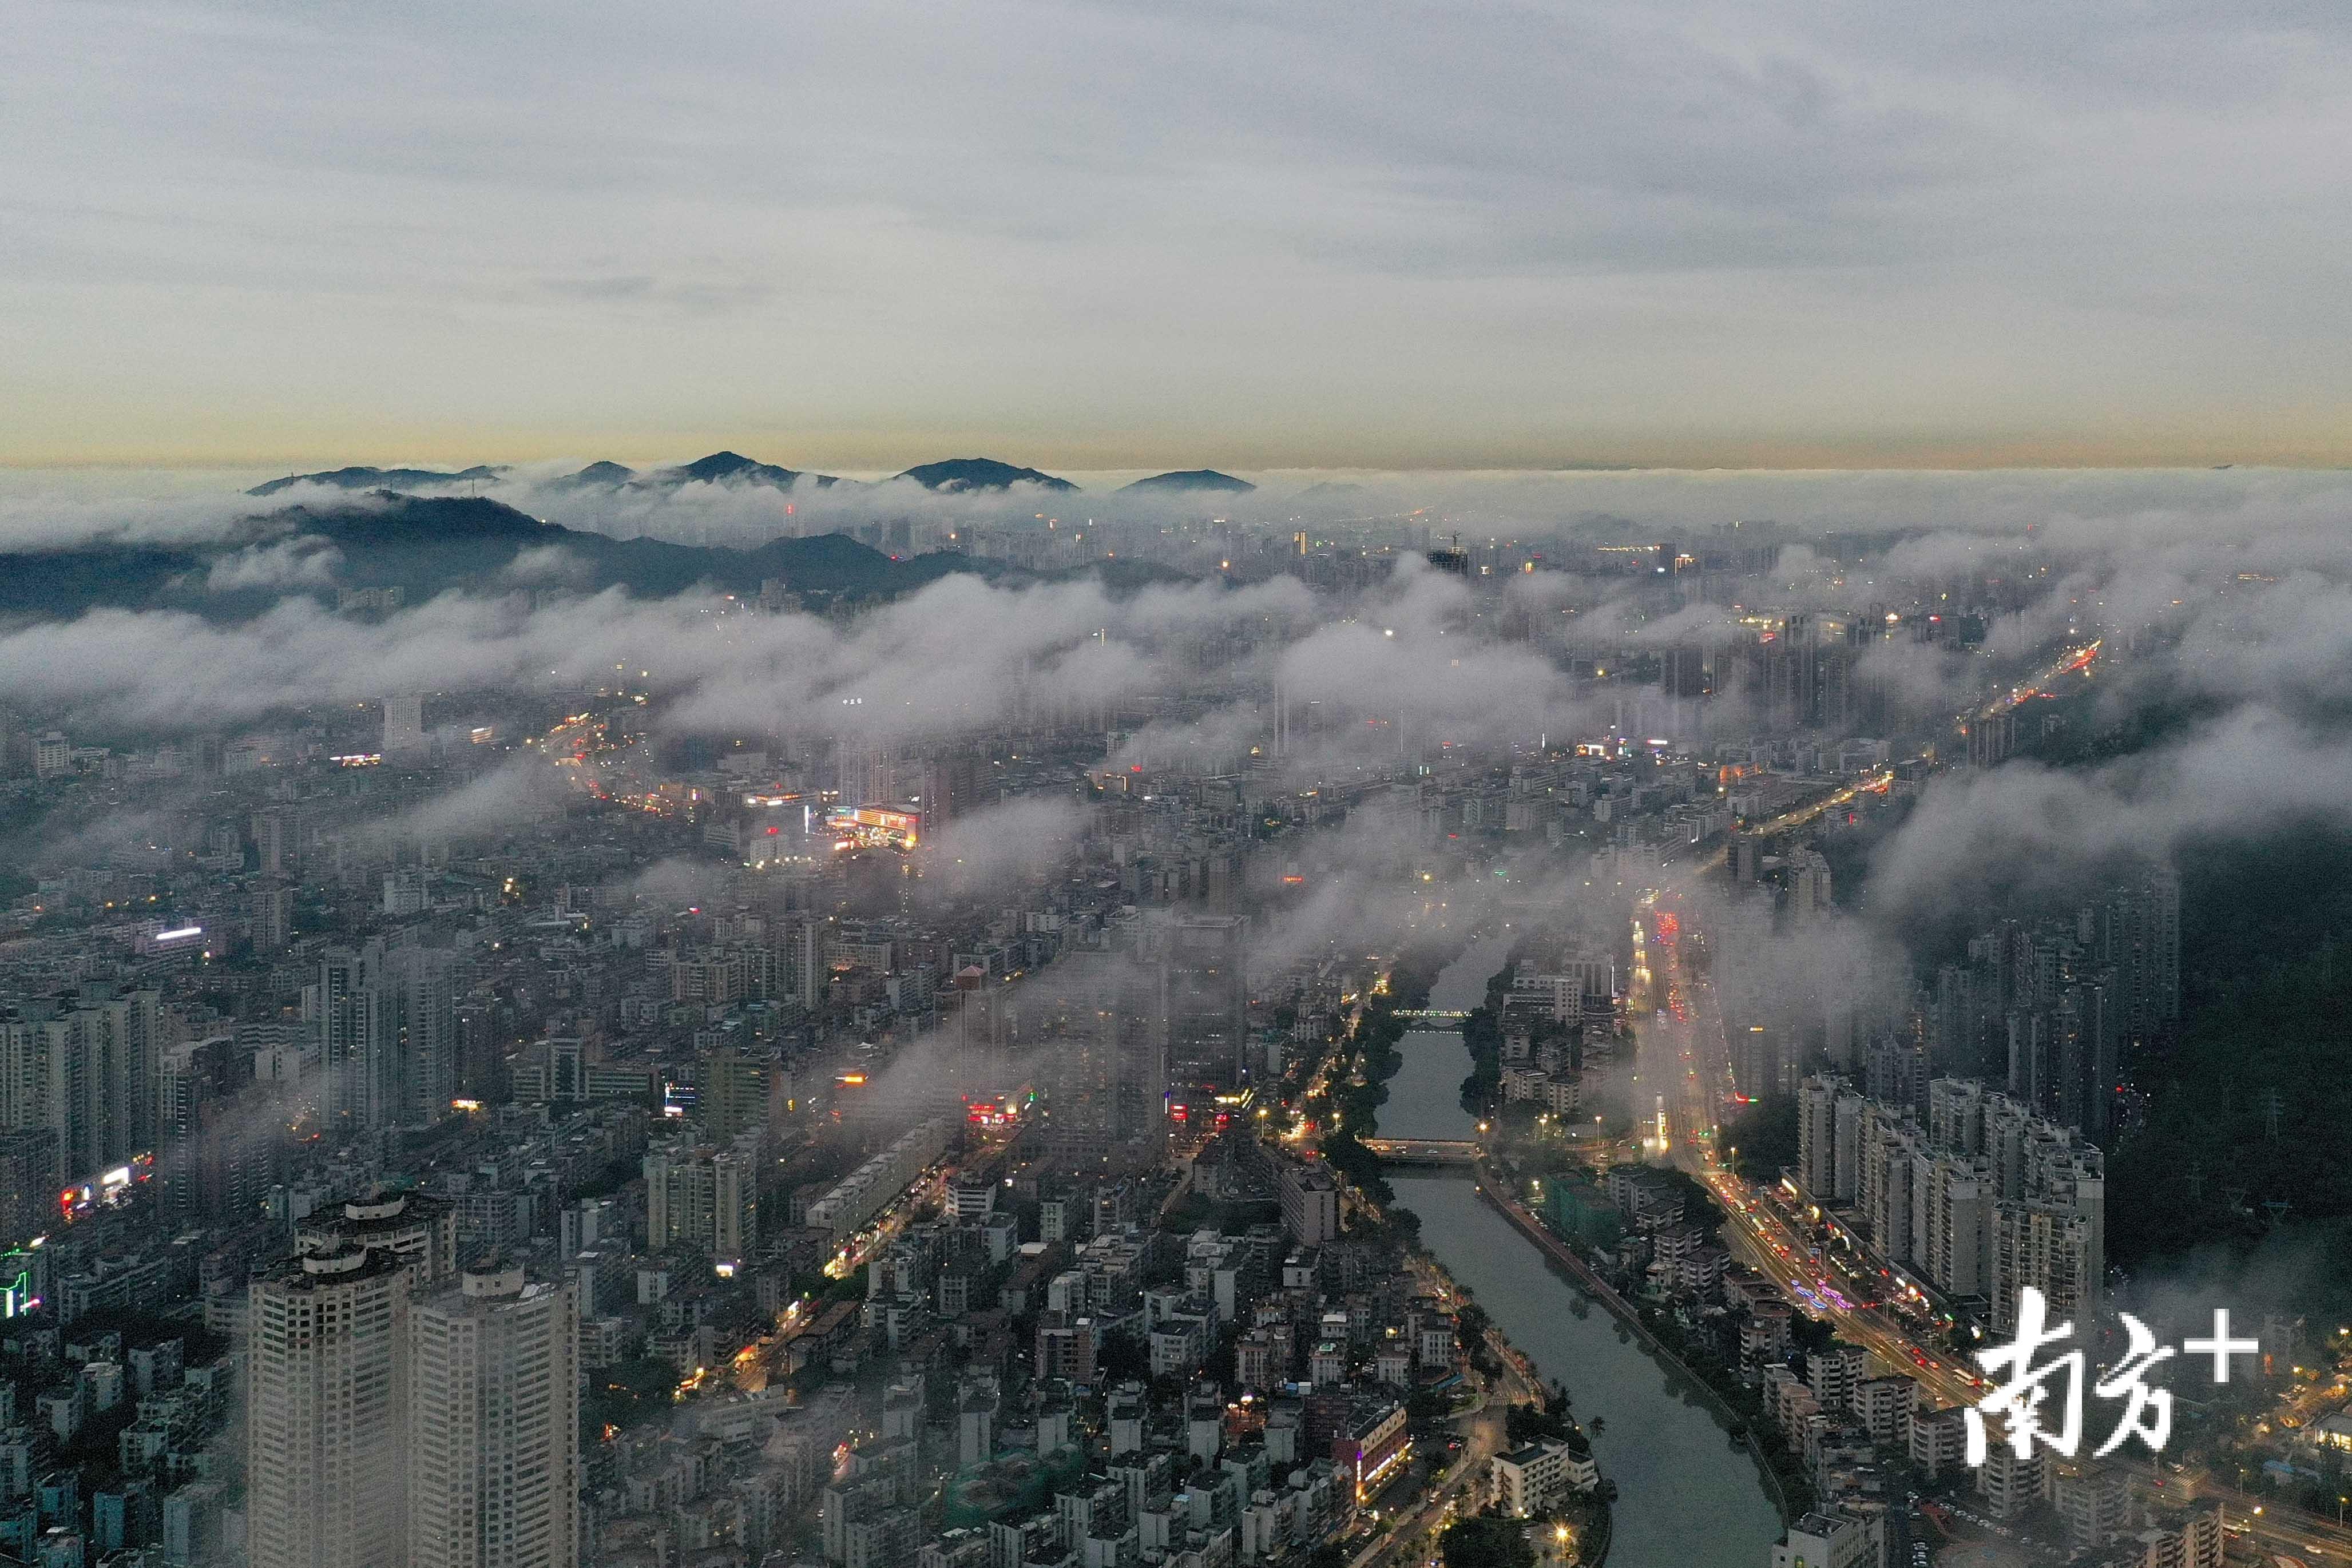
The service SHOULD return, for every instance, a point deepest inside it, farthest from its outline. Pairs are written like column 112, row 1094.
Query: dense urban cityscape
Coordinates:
column 1068, row 784
column 991, row 1103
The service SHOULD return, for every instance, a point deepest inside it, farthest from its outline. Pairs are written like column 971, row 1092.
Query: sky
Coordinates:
column 1130, row 237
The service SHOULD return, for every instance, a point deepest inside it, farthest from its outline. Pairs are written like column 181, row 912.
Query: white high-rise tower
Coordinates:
column 326, row 1412
column 494, row 1424
column 404, row 724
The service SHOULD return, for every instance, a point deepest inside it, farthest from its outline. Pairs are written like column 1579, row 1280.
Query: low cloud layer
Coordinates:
column 2220, row 597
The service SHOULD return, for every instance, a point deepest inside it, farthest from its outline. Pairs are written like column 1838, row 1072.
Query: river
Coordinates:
column 1685, row 1497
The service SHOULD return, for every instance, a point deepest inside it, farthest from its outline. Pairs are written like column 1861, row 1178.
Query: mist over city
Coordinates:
column 1082, row 786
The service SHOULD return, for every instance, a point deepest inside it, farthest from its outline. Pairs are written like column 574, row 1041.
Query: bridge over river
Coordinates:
column 1424, row 1151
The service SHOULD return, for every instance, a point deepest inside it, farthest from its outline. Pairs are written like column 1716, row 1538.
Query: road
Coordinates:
column 1407, row 1540
column 1407, row 1537
column 1796, row 817
column 2065, row 664
column 2273, row 1526
column 1683, row 1050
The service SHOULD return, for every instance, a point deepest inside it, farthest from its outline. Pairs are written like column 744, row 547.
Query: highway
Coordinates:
column 1685, row 1049
column 2065, row 664
column 2033, row 686
column 1796, row 817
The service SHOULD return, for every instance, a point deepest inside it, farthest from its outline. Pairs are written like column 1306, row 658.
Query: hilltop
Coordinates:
column 1189, row 481
column 957, row 475
column 365, row 478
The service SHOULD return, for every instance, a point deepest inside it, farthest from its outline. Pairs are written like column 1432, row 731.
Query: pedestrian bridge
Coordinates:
column 1424, row 1151
column 1431, row 1015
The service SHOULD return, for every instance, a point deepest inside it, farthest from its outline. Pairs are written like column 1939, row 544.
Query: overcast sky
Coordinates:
column 1098, row 236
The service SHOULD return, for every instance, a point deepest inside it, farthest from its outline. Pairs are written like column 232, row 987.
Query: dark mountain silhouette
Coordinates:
column 732, row 468
column 960, row 473
column 380, row 478
column 597, row 476
column 428, row 545
column 1189, row 481
column 718, row 468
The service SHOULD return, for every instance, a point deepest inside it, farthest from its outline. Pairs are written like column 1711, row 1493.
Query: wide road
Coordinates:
column 1684, row 1057
column 2065, row 662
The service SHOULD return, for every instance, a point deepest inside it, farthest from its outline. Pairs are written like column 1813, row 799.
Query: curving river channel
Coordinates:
column 1685, row 1497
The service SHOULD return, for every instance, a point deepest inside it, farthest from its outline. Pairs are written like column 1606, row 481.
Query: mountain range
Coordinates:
column 955, row 476
column 427, row 545
column 424, row 545
column 362, row 479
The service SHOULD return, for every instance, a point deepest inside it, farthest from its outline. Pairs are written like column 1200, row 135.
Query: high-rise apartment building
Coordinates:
column 421, row 1232
column 327, row 1392
column 1817, row 1136
column 730, row 1093
column 2139, row 927
column 704, row 1201
column 2060, row 1006
column 273, row 840
column 403, row 726
column 87, row 1069
column 493, row 1441
column 271, row 917
column 1891, row 1150
column 1955, row 1114
column 1096, row 1025
column 387, row 1022
column 52, row 755
column 1208, row 1000
column 800, row 959
column 425, row 1071
column 2046, row 1246
column 28, row 1184
column 1954, row 1197
column 1830, row 1117
column 221, row 1139
column 1984, row 1199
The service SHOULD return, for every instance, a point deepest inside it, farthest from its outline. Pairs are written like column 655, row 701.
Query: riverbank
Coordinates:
column 1376, row 1038
column 1492, row 1189
column 1678, row 1504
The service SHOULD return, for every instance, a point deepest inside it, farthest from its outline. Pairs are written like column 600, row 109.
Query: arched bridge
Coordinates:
column 1424, row 1151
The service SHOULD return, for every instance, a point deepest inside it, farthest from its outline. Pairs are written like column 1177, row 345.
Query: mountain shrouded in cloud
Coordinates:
column 596, row 476
column 964, row 474
column 426, row 545
column 361, row 477
column 718, row 468
column 1189, row 482
column 734, row 468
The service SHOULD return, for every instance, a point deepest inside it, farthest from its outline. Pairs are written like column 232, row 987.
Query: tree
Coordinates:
column 1765, row 1135
column 1485, row 1543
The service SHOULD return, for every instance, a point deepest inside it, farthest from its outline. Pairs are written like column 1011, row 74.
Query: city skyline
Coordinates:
column 1071, row 784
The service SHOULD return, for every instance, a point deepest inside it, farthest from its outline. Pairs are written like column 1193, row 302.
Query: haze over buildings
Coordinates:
column 877, row 789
